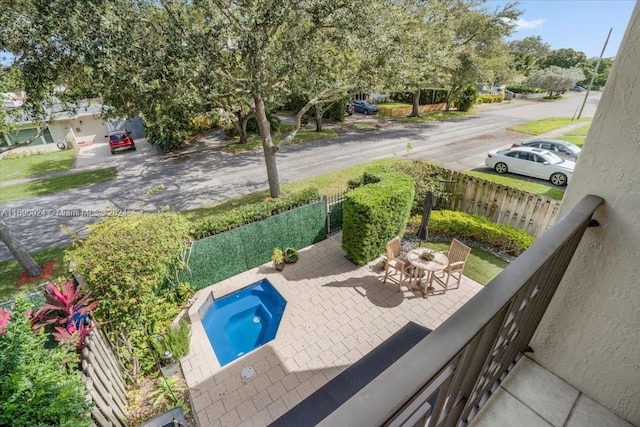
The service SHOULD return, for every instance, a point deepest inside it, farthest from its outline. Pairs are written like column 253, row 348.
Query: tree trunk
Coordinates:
column 240, row 123
column 416, row 104
column 18, row 251
column 318, row 118
column 448, row 101
column 267, row 146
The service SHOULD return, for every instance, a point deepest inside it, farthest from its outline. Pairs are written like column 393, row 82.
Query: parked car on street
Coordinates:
column 364, row 107
column 120, row 140
column 533, row 162
column 577, row 89
column 563, row 149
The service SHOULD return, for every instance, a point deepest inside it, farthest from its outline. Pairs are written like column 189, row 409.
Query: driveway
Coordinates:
column 149, row 182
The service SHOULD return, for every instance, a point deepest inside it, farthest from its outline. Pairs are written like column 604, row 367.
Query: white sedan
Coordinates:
column 534, row 162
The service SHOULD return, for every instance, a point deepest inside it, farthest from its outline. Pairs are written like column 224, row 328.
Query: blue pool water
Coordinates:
column 243, row 320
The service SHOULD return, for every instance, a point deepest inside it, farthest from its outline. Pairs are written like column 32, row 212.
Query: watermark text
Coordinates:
column 63, row 213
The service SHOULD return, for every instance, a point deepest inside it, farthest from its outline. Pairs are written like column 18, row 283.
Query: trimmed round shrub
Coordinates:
column 467, row 98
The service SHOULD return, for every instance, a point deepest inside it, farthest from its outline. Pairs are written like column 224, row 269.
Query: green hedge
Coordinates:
column 224, row 255
column 247, row 214
column 488, row 98
column 502, row 237
column 375, row 213
column 525, row 89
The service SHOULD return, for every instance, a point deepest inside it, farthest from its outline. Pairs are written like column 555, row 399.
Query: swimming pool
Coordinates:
column 243, row 320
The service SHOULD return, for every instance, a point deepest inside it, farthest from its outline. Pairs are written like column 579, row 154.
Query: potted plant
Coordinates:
column 278, row 259
column 291, row 255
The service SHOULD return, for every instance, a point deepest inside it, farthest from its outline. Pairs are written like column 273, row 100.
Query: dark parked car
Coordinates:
column 364, row 107
column 120, row 140
column 577, row 89
column 563, row 149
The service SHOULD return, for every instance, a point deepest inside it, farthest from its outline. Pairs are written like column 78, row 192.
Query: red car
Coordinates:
column 120, row 140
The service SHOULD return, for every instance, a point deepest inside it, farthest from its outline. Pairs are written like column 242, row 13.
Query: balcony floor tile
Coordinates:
column 588, row 412
column 504, row 410
column 542, row 391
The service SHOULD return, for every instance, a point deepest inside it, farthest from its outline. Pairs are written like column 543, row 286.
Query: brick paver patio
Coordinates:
column 336, row 313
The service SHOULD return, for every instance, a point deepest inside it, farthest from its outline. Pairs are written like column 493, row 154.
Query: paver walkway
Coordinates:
column 336, row 313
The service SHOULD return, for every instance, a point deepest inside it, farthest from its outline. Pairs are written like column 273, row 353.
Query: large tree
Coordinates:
column 602, row 73
column 255, row 49
column 564, row 58
column 528, row 53
column 174, row 59
column 482, row 53
column 555, row 79
column 419, row 47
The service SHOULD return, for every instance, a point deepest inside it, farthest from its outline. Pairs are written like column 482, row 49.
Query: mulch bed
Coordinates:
column 47, row 271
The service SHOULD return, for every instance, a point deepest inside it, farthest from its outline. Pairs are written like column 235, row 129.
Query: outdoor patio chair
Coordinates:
column 396, row 264
column 457, row 254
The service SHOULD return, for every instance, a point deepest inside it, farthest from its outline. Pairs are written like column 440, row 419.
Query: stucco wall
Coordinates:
column 591, row 334
column 89, row 128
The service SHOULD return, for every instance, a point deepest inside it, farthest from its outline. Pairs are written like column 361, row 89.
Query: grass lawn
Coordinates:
column 38, row 164
column 363, row 126
column 10, row 272
column 531, row 187
column 576, row 136
column 55, row 185
column 538, row 127
column 480, row 266
column 433, row 117
column 255, row 141
column 328, row 183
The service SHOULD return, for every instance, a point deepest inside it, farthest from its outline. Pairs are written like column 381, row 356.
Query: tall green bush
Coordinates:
column 374, row 214
column 467, row 98
column 337, row 110
column 125, row 261
column 428, row 177
column 39, row 386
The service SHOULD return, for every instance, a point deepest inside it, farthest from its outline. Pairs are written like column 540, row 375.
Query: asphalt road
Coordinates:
column 149, row 181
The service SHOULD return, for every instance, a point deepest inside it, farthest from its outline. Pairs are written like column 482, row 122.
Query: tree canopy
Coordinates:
column 171, row 61
column 556, row 79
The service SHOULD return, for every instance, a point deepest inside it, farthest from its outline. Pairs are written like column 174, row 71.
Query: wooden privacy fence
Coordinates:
column 500, row 204
column 102, row 374
column 405, row 111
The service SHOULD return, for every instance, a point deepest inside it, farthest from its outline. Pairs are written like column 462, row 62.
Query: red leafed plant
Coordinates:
column 67, row 311
column 4, row 320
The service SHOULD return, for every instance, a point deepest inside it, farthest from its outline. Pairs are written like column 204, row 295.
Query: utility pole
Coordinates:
column 595, row 72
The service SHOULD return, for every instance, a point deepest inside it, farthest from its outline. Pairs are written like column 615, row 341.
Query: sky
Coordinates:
column 581, row 25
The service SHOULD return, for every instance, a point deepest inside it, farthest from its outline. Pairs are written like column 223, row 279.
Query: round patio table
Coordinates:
column 429, row 268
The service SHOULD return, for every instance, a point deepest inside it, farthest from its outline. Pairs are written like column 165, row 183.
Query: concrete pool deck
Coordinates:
column 336, row 313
